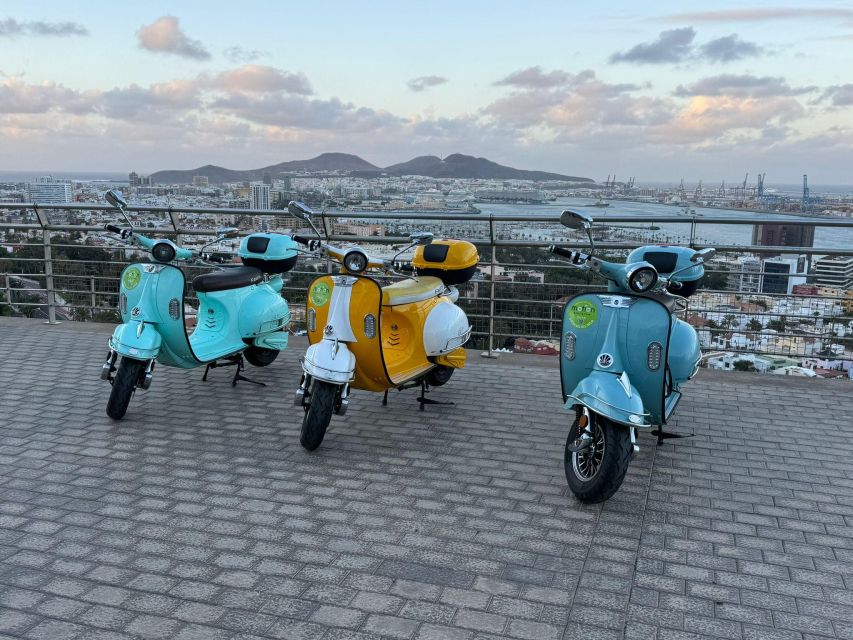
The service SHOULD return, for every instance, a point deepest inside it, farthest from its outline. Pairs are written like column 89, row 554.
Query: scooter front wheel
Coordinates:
column 126, row 378
column 318, row 414
column 596, row 472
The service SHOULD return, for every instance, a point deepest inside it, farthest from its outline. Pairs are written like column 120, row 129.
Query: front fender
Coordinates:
column 131, row 341
column 612, row 396
column 329, row 360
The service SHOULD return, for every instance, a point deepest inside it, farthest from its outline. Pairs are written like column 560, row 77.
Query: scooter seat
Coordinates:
column 228, row 279
column 408, row 291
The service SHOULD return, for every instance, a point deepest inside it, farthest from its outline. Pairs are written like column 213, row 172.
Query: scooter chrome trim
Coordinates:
column 584, row 397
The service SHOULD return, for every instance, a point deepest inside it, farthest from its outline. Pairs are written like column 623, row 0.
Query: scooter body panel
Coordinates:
column 153, row 294
column 348, row 314
column 605, row 356
column 684, row 352
column 392, row 344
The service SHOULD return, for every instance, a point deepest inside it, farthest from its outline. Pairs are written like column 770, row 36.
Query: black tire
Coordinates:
column 439, row 375
column 260, row 357
column 596, row 473
column 126, row 378
column 318, row 414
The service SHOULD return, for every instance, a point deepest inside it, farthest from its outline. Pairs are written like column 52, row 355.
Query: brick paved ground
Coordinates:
column 199, row 516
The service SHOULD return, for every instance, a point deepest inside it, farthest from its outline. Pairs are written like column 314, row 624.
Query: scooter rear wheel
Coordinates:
column 259, row 356
column 318, row 415
column 439, row 375
column 126, row 378
column 596, row 473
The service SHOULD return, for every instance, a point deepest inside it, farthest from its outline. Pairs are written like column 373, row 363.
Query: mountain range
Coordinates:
column 456, row 165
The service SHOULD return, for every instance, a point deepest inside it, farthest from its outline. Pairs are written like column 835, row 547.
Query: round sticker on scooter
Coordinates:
column 583, row 314
column 320, row 294
column 131, row 278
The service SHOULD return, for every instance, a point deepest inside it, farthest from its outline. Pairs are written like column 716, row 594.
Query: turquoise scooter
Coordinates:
column 241, row 310
column 624, row 355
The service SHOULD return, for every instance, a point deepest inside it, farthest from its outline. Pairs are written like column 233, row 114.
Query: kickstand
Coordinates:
column 232, row 361
column 385, row 399
column 422, row 399
column 665, row 435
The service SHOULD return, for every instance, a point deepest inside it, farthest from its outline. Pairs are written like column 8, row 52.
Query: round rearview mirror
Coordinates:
column 704, row 254
column 299, row 209
column 421, row 237
column 575, row 220
column 116, row 199
column 228, row 232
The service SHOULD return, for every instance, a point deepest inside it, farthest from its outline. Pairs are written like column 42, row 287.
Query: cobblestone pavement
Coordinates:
column 200, row 517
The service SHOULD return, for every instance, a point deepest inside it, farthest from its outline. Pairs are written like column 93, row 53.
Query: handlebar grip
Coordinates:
column 113, row 228
column 302, row 240
column 565, row 253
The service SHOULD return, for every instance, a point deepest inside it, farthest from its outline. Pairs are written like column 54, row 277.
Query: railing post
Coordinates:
column 48, row 266
column 491, row 353
column 173, row 218
column 92, row 289
column 8, row 292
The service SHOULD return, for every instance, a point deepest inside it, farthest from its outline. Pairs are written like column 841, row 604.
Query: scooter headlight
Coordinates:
column 164, row 251
column 642, row 279
column 355, row 261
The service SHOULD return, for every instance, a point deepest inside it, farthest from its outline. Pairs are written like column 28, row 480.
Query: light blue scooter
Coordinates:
column 241, row 310
column 624, row 356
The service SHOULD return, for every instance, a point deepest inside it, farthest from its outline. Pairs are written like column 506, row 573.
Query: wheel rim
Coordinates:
column 587, row 463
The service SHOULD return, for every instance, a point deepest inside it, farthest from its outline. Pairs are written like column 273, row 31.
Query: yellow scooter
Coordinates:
column 366, row 336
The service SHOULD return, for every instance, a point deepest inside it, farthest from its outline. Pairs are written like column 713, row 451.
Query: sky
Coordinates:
column 658, row 91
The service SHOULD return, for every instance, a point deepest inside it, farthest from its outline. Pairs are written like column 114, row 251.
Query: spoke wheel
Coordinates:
column 595, row 473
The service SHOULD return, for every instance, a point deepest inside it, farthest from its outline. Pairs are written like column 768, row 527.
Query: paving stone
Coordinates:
column 194, row 518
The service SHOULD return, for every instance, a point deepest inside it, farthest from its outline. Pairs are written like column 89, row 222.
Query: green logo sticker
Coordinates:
column 583, row 314
column 320, row 294
column 131, row 278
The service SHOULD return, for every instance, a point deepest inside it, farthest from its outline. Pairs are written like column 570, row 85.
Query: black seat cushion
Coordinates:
column 228, row 279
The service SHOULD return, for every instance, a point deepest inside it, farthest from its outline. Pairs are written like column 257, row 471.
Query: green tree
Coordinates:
column 743, row 365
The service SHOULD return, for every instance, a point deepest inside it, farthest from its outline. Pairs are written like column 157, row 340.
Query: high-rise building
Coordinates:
column 782, row 274
column 133, row 179
column 260, row 196
column 835, row 271
column 45, row 191
column 783, row 235
column 201, row 181
column 747, row 278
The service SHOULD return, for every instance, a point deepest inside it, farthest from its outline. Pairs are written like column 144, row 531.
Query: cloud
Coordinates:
column 164, row 35
column 673, row 45
column 761, row 14
column 728, row 49
column 841, row 95
column 11, row 27
column 291, row 111
column 256, row 78
column 19, row 97
column 741, row 85
column 425, row 82
column 241, row 55
column 535, row 78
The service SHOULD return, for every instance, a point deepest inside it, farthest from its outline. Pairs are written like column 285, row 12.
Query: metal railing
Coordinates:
column 59, row 265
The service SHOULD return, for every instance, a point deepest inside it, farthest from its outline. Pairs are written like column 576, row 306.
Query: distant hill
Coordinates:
column 456, row 165
column 324, row 163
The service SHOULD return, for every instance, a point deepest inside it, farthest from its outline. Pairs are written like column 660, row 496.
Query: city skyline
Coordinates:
column 700, row 90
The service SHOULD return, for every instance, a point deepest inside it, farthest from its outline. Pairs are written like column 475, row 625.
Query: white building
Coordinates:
column 45, row 191
column 781, row 274
column 835, row 271
column 747, row 277
column 260, row 196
